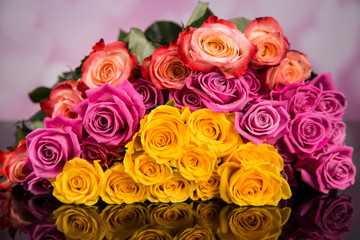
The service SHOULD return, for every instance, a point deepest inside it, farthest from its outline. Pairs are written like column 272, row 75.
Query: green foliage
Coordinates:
column 162, row 32
column 200, row 14
column 241, row 23
column 171, row 103
column 39, row 94
column 139, row 44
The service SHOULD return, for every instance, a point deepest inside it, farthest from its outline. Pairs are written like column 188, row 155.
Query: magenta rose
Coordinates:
column 218, row 93
column 332, row 104
column 324, row 82
column 338, row 133
column 49, row 148
column 151, row 95
column 264, row 121
column 111, row 114
column 308, row 132
column 333, row 170
column 187, row 98
column 37, row 185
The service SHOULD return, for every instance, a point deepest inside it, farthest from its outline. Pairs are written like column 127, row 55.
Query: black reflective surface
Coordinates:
column 307, row 215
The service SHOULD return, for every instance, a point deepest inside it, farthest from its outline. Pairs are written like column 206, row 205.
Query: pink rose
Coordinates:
column 166, row 70
column 216, row 46
column 62, row 98
column 186, row 97
column 338, row 133
column 332, row 170
column 151, row 95
column 294, row 68
column 111, row 115
column 111, row 63
column 267, row 34
column 332, row 104
column 308, row 132
column 264, row 121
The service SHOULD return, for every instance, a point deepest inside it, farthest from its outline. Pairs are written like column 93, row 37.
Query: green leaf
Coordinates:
column 123, row 37
column 139, row 45
column 171, row 103
column 37, row 124
column 40, row 115
column 163, row 32
column 39, row 94
column 78, row 73
column 241, row 23
column 65, row 76
column 199, row 15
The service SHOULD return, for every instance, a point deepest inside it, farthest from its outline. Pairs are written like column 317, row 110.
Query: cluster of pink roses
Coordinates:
column 253, row 74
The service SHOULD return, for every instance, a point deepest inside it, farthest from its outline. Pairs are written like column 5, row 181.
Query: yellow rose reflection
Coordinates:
column 193, row 220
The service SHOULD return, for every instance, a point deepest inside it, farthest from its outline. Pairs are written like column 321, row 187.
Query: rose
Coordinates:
column 162, row 134
column 111, row 63
column 121, row 221
column 214, row 129
column 196, row 233
column 151, row 95
column 256, row 83
column 197, row 163
column 12, row 166
column 264, row 121
column 257, row 185
column 338, row 133
column 62, row 97
column 119, row 187
column 218, row 93
column 176, row 189
column 92, row 150
column 79, row 222
column 294, row 68
column 111, row 114
column 333, row 170
column 266, row 33
column 252, row 222
column 37, row 185
column 48, row 149
column 166, row 70
column 250, row 154
column 187, row 98
column 209, row 188
column 284, row 152
column 174, row 218
column 150, row 232
column 144, row 169
column 308, row 132
column 216, row 45
column 301, row 98
column 332, row 104
column 80, row 182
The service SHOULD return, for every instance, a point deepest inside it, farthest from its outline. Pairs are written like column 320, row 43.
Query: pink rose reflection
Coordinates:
column 264, row 121
column 111, row 114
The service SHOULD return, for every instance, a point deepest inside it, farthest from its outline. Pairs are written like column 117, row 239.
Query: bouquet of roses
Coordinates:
column 216, row 109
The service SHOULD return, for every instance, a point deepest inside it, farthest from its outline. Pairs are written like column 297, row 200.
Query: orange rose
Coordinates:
column 62, row 98
column 294, row 68
column 111, row 63
column 166, row 70
column 267, row 35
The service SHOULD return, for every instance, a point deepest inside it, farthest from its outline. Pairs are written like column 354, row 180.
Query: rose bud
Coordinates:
column 217, row 45
column 166, row 70
column 62, row 98
column 111, row 63
column 267, row 35
column 294, row 68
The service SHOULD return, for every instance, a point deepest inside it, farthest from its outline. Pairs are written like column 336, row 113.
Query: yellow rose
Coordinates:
column 144, row 169
column 176, row 189
column 252, row 222
column 250, row 154
column 256, row 185
column 79, row 222
column 196, row 233
column 121, row 221
column 119, row 187
column 214, row 129
column 210, row 188
column 80, row 182
column 162, row 134
column 197, row 163
column 174, row 218
column 148, row 232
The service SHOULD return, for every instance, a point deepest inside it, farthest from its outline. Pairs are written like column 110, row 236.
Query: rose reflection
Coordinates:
column 43, row 217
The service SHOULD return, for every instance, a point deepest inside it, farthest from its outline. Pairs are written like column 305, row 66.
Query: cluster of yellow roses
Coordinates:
column 198, row 220
column 177, row 154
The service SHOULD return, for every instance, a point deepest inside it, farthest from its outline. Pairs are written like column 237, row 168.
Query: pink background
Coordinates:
column 42, row 38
